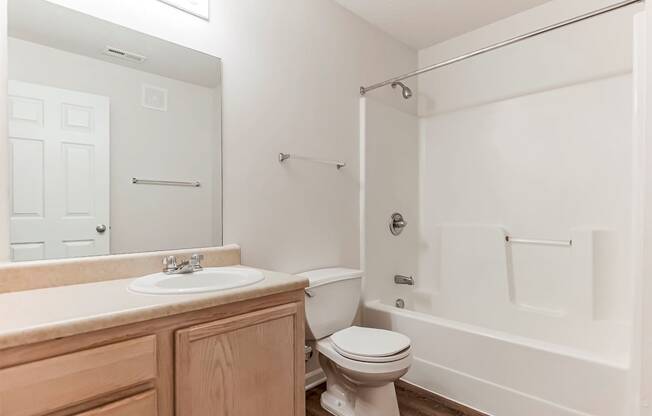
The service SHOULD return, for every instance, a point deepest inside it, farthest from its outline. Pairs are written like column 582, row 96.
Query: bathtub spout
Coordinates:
column 404, row 280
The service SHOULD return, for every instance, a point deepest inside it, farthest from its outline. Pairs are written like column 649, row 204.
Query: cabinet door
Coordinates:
column 247, row 365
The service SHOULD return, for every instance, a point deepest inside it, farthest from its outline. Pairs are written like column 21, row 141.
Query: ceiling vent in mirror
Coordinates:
column 124, row 55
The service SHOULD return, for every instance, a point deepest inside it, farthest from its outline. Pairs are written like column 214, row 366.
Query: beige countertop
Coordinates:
column 39, row 315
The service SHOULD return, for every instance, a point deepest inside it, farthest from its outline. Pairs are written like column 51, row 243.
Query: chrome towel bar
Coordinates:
column 195, row 184
column 563, row 243
column 282, row 157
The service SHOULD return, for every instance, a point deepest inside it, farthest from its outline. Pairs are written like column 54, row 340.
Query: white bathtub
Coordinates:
column 504, row 374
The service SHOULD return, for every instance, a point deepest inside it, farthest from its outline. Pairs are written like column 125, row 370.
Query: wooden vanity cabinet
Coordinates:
column 143, row 404
column 37, row 387
column 244, row 365
column 240, row 359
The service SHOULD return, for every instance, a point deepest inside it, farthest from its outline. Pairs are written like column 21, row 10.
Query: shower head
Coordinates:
column 407, row 92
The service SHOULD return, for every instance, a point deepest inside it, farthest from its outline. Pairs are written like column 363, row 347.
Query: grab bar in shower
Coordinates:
column 194, row 184
column 563, row 243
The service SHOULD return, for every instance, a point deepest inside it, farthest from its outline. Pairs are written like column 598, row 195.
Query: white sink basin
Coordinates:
column 208, row 280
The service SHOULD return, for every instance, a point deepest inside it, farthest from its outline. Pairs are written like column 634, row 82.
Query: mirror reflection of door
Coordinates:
column 59, row 172
column 115, row 138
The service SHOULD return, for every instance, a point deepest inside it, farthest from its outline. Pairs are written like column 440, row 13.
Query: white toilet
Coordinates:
column 361, row 364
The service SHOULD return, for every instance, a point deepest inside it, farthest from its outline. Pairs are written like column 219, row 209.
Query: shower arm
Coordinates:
column 586, row 16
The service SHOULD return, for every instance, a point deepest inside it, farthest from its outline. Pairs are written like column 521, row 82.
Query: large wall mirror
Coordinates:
column 114, row 138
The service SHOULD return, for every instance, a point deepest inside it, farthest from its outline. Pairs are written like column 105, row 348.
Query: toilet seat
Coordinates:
column 364, row 359
column 370, row 345
column 326, row 347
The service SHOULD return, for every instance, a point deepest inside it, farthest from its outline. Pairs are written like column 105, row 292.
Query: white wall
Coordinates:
column 179, row 144
column 586, row 51
column 4, row 143
column 292, row 70
column 390, row 149
column 645, row 285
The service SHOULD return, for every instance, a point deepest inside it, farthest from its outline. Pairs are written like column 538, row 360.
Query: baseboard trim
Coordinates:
column 315, row 378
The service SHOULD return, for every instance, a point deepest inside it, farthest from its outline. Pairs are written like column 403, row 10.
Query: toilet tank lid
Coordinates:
column 321, row 277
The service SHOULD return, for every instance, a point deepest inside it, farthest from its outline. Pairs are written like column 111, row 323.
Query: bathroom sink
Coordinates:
column 207, row 280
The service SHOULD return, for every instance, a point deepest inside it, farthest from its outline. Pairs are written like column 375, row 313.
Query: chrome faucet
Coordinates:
column 170, row 265
column 404, row 280
column 195, row 262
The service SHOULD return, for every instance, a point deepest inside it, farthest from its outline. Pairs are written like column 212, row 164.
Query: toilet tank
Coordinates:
column 332, row 300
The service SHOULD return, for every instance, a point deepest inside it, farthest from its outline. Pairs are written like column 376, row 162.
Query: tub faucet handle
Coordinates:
column 397, row 223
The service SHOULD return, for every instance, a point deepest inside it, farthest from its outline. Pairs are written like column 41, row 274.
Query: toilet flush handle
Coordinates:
column 309, row 293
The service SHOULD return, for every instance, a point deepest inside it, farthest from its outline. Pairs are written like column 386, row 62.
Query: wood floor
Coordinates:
column 412, row 401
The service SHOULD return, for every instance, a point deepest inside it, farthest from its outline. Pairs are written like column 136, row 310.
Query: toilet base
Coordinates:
column 336, row 405
column 366, row 401
column 358, row 388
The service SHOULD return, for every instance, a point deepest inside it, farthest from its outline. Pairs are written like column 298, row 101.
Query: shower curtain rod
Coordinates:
column 586, row 16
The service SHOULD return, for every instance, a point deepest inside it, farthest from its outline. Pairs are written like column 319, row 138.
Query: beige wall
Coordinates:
column 292, row 70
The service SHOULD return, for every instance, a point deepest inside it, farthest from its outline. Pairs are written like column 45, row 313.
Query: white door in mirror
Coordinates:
column 207, row 280
column 59, row 172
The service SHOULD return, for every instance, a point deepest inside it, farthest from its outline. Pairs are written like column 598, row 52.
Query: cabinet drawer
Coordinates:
column 140, row 405
column 54, row 383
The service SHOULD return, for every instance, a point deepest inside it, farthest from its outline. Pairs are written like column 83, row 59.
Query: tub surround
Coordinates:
column 52, row 273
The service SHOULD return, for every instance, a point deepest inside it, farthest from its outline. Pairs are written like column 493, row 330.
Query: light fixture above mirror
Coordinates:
column 199, row 8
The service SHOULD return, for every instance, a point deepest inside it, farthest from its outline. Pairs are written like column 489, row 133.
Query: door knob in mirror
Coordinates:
column 100, row 228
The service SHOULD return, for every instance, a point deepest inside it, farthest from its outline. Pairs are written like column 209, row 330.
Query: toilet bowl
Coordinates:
column 360, row 384
column 360, row 364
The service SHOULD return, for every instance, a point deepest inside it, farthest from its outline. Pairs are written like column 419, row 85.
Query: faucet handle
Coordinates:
column 397, row 223
column 169, row 263
column 195, row 261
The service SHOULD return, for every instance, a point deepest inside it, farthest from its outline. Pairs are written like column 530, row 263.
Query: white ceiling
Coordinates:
column 423, row 23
